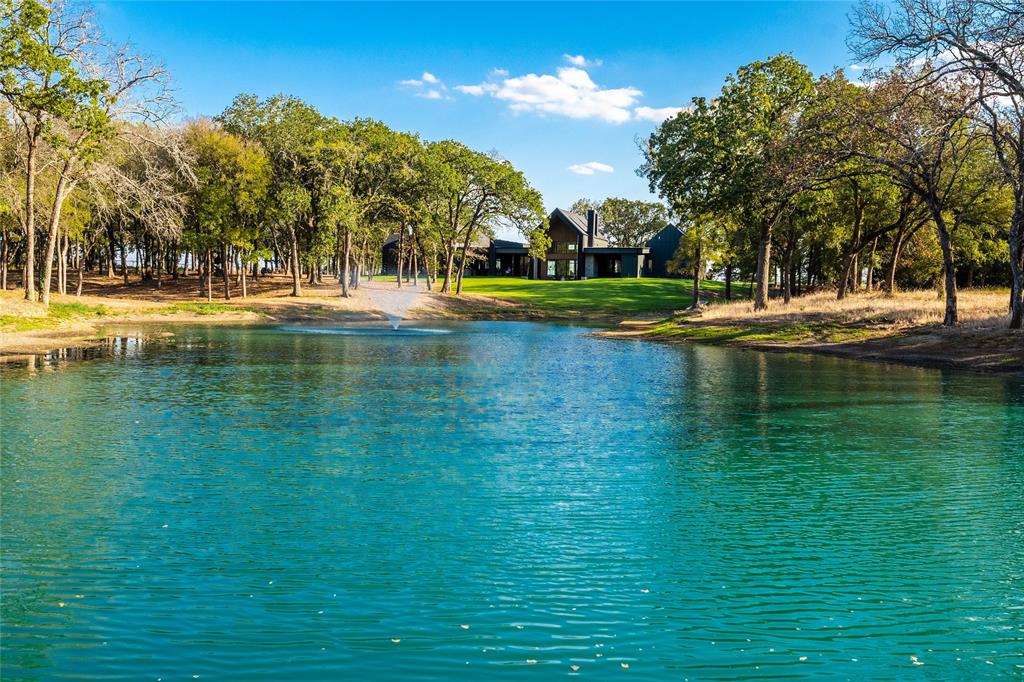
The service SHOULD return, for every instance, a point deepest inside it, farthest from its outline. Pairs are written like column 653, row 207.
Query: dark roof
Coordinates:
column 579, row 222
column 667, row 230
column 506, row 244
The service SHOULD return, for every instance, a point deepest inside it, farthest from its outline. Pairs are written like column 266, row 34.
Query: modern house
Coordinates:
column 579, row 250
column 663, row 247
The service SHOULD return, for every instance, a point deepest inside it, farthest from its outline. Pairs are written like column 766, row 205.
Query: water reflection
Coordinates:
column 236, row 501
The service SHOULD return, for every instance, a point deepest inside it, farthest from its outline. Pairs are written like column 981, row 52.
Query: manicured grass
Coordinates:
column 601, row 296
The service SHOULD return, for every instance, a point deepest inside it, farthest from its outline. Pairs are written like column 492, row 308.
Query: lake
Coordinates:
column 502, row 500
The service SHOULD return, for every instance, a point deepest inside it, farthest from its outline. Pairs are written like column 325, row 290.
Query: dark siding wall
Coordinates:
column 663, row 246
column 561, row 233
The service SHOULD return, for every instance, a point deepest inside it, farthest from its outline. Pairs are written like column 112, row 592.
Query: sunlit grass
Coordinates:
column 603, row 296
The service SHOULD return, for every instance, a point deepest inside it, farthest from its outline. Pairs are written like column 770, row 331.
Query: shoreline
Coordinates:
column 815, row 326
column 925, row 347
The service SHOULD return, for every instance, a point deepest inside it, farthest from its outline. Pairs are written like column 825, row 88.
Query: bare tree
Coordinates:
column 982, row 39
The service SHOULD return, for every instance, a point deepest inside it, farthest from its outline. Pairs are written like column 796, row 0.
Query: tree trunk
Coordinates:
column 728, row 282
column 345, row 258
column 124, row 258
column 111, row 257
column 787, row 274
column 201, row 271
column 951, row 318
column 415, row 268
column 462, row 262
column 224, row 271
column 5, row 251
column 764, row 258
column 159, row 263
column 241, row 273
column 81, row 270
column 1015, row 241
column 296, row 275
column 54, row 233
column 871, row 265
column 426, row 260
column 697, row 268
column 446, row 286
column 209, row 275
column 30, row 219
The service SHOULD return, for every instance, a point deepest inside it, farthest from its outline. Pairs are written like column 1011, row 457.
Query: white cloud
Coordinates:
column 856, row 67
column 427, row 86
column 658, row 114
column 570, row 93
column 499, row 72
column 590, row 167
column 476, row 90
column 580, row 61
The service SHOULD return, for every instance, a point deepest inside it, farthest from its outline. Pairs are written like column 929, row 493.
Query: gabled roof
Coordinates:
column 574, row 219
column 578, row 221
column 669, row 230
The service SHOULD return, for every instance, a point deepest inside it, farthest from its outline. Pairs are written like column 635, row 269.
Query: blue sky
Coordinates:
column 551, row 87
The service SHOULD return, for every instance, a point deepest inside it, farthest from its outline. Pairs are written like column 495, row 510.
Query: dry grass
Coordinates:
column 978, row 309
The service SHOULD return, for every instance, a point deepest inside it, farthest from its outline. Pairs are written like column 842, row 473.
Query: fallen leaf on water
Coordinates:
column 803, row 658
column 531, row 661
column 464, row 627
column 61, row 604
column 574, row 667
column 645, row 591
column 624, row 665
column 395, row 640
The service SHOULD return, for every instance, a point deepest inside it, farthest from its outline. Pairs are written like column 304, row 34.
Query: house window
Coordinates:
column 572, row 269
column 551, row 268
column 572, row 247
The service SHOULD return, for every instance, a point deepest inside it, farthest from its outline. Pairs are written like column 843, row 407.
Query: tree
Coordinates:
column 629, row 222
column 699, row 245
column 479, row 192
column 288, row 130
column 232, row 178
column 41, row 50
column 983, row 39
column 924, row 140
column 746, row 153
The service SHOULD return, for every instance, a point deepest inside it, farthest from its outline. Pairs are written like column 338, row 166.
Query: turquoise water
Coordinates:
column 505, row 500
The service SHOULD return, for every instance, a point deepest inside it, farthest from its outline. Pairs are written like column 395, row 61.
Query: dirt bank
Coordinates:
column 904, row 329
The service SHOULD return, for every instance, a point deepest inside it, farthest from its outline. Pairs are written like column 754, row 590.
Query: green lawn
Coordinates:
column 602, row 296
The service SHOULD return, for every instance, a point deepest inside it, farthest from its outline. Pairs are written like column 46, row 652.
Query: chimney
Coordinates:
column 591, row 227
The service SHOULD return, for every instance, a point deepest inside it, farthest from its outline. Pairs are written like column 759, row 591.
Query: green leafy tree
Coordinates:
column 631, row 222
column 745, row 153
column 41, row 79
